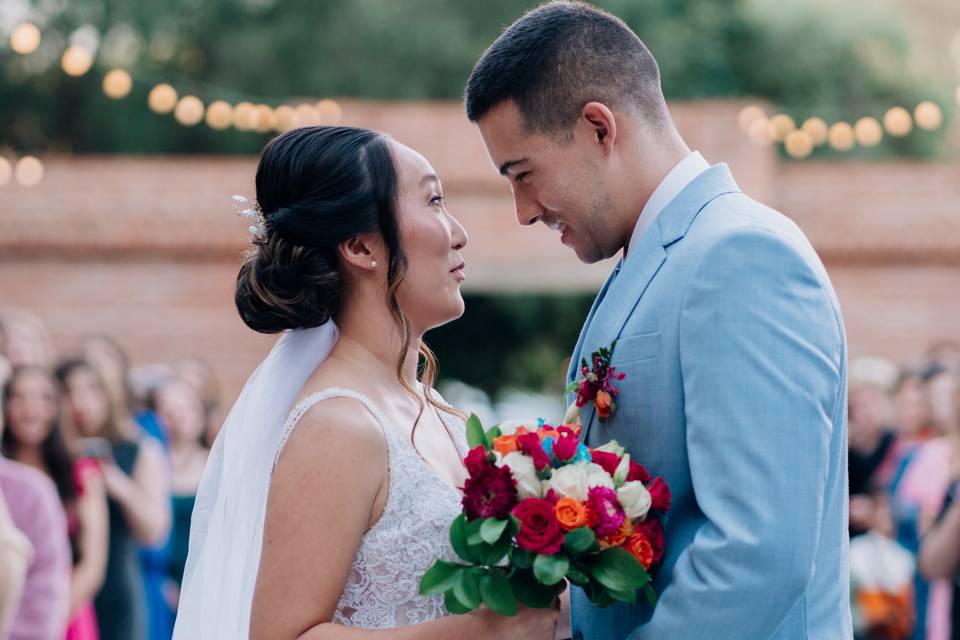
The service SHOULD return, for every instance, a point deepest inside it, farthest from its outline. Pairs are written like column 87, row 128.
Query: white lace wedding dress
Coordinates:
column 382, row 588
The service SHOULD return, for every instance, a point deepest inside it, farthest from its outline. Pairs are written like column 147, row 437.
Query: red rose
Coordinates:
column 652, row 530
column 638, row 472
column 476, row 460
column 490, row 494
column 609, row 461
column 566, row 447
column 530, row 445
column 660, row 495
column 539, row 530
column 586, row 392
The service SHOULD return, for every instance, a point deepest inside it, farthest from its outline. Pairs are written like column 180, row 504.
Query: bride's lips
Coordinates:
column 457, row 272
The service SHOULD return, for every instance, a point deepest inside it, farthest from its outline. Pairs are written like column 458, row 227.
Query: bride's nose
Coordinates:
column 458, row 235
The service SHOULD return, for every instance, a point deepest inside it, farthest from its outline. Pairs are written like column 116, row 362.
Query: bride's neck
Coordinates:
column 371, row 340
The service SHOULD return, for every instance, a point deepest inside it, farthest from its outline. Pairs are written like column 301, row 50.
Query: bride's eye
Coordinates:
column 436, row 200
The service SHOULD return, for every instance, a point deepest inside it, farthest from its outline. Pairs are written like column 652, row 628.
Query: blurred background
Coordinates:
column 127, row 127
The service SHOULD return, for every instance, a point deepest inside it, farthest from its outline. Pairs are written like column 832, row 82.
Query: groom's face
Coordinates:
column 559, row 183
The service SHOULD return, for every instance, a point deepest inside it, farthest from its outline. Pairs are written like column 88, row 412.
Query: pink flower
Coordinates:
column 491, row 493
column 638, row 472
column 608, row 461
column 606, row 514
column 660, row 494
column 566, row 447
column 539, row 530
column 530, row 445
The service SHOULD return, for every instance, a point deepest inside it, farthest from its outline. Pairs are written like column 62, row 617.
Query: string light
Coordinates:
column 76, row 61
column 117, row 84
column 245, row 116
column 868, row 132
column 162, row 98
column 29, row 171
column 286, row 118
column 219, row 115
column 25, row 38
column 759, row 132
column 897, row 122
column 798, row 144
column 956, row 96
column 265, row 120
column 307, row 115
column 330, row 111
column 928, row 115
column 748, row 115
column 841, row 136
column 780, row 125
column 189, row 111
column 6, row 171
column 817, row 129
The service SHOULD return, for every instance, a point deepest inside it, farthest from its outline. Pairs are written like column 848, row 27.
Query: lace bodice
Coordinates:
column 381, row 591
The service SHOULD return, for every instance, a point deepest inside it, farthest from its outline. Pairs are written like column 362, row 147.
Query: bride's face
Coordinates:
column 431, row 239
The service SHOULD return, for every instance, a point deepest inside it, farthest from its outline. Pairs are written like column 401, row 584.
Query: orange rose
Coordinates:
column 505, row 444
column 548, row 433
column 620, row 537
column 641, row 549
column 604, row 404
column 570, row 513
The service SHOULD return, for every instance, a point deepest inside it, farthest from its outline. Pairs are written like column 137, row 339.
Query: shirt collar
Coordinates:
column 682, row 174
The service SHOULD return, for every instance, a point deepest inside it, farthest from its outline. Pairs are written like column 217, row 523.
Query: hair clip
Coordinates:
column 252, row 213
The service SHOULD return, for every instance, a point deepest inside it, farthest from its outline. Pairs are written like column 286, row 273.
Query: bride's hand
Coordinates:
column 532, row 624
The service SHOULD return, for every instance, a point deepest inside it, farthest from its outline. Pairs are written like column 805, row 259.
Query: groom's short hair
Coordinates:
column 557, row 58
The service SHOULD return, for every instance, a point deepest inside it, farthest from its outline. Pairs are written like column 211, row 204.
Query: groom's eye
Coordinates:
column 522, row 176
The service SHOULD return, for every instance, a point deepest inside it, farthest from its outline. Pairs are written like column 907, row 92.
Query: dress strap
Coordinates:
column 325, row 394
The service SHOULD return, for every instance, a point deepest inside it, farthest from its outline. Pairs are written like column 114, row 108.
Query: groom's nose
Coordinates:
column 529, row 210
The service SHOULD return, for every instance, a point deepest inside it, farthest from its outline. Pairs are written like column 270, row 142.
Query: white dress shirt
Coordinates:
column 685, row 172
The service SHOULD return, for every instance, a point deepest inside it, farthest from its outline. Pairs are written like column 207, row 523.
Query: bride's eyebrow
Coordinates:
column 428, row 178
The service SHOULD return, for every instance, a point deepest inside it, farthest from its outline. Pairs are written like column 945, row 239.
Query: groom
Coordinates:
column 727, row 328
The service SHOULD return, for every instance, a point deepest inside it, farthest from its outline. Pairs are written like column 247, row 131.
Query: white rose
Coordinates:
column 521, row 466
column 576, row 480
column 509, row 427
column 570, row 481
column 635, row 499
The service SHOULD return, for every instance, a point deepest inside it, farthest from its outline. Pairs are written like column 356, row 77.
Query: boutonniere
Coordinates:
column 596, row 385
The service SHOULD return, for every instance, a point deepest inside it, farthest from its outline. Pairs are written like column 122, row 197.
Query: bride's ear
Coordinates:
column 363, row 252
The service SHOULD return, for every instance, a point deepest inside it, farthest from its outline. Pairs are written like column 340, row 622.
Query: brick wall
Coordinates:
column 147, row 248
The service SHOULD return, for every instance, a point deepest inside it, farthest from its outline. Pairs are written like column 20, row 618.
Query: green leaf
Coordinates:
column 572, row 387
column 651, row 594
column 550, row 570
column 497, row 593
column 473, row 532
column 577, row 577
column 467, row 589
column 475, row 434
column 579, row 540
column 440, row 578
column 521, row 558
column 531, row 593
column 492, row 434
column 624, row 596
column 494, row 553
column 453, row 604
column 458, row 539
column 492, row 529
column 617, row 570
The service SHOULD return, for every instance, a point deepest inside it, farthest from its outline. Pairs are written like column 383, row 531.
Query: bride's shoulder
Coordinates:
column 328, row 428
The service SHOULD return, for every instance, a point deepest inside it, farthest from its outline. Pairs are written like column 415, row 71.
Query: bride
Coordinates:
column 331, row 488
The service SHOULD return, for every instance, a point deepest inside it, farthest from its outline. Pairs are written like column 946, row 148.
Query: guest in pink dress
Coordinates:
column 34, row 438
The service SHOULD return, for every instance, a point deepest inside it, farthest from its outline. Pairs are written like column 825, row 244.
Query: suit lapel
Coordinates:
column 573, row 369
column 611, row 311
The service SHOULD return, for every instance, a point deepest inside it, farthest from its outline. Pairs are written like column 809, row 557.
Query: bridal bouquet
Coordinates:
column 539, row 506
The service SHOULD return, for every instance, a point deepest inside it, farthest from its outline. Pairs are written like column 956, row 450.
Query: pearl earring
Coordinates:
column 373, row 265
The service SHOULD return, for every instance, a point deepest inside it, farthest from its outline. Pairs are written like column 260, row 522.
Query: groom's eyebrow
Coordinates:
column 506, row 166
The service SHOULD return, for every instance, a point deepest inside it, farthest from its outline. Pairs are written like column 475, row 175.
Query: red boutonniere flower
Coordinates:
column 597, row 384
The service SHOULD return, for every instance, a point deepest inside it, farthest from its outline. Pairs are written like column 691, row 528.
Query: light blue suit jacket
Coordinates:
column 733, row 344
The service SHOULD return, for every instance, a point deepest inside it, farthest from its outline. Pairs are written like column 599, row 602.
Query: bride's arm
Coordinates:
column 322, row 500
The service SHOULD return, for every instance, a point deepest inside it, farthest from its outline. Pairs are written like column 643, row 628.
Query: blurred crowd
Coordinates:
column 904, row 514
column 100, row 464
column 99, row 472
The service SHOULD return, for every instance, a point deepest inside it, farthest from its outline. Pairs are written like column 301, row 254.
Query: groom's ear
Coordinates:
column 362, row 251
column 602, row 124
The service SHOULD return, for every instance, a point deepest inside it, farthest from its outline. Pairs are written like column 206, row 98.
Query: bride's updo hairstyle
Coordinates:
column 316, row 188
